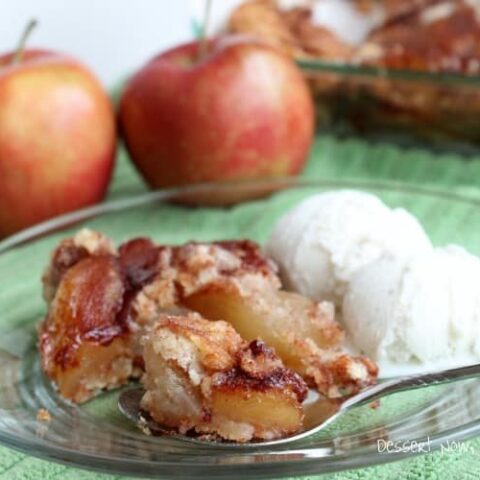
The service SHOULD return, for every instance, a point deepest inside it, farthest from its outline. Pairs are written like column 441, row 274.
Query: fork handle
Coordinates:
column 411, row 383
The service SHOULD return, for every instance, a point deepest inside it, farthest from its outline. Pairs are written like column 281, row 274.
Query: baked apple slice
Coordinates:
column 89, row 340
column 84, row 340
column 201, row 376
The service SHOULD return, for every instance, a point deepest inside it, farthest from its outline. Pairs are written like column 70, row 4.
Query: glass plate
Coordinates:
column 96, row 436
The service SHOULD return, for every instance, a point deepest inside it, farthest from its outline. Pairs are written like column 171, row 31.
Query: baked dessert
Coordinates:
column 443, row 36
column 233, row 281
column 430, row 36
column 103, row 301
column 290, row 30
column 201, row 376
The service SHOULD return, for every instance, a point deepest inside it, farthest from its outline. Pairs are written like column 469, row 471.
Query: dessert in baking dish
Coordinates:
column 444, row 36
column 433, row 37
column 103, row 301
column 429, row 35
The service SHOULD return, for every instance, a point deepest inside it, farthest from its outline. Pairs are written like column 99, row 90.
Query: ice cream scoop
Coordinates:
column 422, row 312
column 324, row 240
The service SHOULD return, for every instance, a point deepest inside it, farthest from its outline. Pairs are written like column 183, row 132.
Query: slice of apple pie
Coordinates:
column 202, row 376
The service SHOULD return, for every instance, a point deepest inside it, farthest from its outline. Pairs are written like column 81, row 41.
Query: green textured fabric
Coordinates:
column 330, row 159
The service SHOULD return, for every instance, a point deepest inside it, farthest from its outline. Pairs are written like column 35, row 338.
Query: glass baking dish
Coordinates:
column 397, row 105
column 355, row 75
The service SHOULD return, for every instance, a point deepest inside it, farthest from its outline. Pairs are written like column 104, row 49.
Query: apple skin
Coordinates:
column 57, row 138
column 242, row 112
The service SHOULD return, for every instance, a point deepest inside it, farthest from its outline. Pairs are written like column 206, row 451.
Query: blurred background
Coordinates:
column 113, row 37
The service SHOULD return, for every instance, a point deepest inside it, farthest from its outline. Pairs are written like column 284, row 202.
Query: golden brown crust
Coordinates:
column 89, row 287
column 186, row 269
column 221, row 350
column 69, row 252
column 86, row 306
column 262, row 372
column 197, row 264
column 216, row 342
column 258, row 361
column 429, row 35
column 291, row 31
column 338, row 375
column 262, row 19
column 444, row 37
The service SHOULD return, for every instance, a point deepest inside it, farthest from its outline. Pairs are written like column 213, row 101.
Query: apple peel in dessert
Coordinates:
column 103, row 301
column 202, row 376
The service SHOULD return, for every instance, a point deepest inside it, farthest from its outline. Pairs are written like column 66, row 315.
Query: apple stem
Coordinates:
column 23, row 41
column 203, row 43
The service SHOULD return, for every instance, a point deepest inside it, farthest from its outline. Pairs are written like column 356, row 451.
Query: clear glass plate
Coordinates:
column 96, row 436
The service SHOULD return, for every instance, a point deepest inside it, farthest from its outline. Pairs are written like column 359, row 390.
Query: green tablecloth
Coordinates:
column 330, row 159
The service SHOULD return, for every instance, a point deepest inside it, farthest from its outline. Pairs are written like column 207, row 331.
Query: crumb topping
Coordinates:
column 43, row 415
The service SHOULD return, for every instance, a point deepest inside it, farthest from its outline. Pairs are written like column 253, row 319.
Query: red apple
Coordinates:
column 57, row 138
column 242, row 111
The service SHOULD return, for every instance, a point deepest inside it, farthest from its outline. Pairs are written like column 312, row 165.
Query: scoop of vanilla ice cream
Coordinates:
column 324, row 240
column 426, row 309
